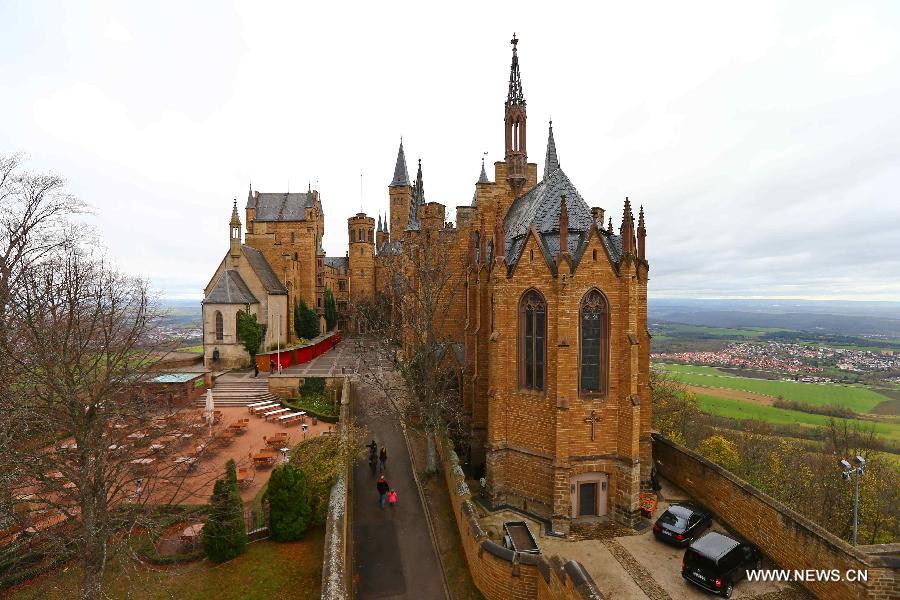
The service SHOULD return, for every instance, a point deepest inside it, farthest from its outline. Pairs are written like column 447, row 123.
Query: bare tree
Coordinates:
column 87, row 438
column 408, row 356
column 84, row 440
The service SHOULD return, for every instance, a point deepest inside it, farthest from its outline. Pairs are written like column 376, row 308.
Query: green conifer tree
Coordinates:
column 289, row 503
column 225, row 534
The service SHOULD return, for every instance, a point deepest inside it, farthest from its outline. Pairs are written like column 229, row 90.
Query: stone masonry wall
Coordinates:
column 788, row 538
column 499, row 573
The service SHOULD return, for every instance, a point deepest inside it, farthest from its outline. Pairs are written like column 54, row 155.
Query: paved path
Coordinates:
column 394, row 554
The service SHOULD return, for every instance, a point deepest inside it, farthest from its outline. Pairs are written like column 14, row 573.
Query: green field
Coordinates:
column 198, row 349
column 857, row 398
column 736, row 409
column 680, row 330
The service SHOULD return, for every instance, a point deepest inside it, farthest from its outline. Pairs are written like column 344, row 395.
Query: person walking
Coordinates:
column 382, row 458
column 392, row 498
column 373, row 456
column 271, row 366
column 383, row 489
column 256, row 369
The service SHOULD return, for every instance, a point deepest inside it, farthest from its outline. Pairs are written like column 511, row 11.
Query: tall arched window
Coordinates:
column 220, row 326
column 237, row 318
column 532, row 336
column 594, row 316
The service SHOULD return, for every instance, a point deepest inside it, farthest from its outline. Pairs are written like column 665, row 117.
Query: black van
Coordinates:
column 716, row 562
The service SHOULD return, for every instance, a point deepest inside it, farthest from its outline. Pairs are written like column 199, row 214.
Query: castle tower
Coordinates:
column 361, row 256
column 400, row 192
column 516, row 154
column 235, row 232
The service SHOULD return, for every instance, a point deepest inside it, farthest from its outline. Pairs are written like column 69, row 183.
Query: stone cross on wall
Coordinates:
column 594, row 418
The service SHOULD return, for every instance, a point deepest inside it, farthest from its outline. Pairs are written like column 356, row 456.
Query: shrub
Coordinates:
column 289, row 508
column 225, row 535
column 306, row 321
column 248, row 332
column 330, row 310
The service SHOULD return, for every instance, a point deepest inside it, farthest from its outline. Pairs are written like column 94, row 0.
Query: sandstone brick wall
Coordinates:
column 502, row 574
column 788, row 538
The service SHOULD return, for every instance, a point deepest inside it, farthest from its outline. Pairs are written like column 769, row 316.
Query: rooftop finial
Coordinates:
column 551, row 163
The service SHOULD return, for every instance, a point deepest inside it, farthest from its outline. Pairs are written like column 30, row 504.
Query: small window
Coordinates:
column 292, row 237
column 594, row 254
column 220, row 326
column 361, row 237
column 531, row 255
column 319, row 302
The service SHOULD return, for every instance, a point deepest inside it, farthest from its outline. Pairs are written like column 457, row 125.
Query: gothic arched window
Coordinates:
column 237, row 318
column 220, row 326
column 594, row 317
column 532, row 340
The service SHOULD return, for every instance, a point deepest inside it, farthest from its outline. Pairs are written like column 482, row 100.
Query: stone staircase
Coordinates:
column 239, row 393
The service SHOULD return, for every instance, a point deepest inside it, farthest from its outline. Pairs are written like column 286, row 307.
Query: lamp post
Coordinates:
column 847, row 471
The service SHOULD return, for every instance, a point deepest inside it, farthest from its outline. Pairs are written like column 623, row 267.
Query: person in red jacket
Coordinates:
column 392, row 498
column 383, row 489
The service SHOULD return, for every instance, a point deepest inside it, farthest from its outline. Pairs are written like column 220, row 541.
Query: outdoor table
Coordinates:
column 70, row 485
column 255, row 404
column 69, row 446
column 264, row 408
column 187, row 436
column 264, row 456
column 55, row 475
column 275, row 412
column 157, row 447
column 143, row 461
column 137, row 435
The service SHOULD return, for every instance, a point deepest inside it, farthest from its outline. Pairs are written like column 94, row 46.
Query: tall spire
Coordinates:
column 250, row 196
column 551, row 163
column 516, row 95
column 626, row 229
column 514, row 118
column 379, row 221
column 419, row 188
column 401, row 176
column 483, row 177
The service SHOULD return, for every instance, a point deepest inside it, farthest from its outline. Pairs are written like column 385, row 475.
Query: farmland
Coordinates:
column 855, row 397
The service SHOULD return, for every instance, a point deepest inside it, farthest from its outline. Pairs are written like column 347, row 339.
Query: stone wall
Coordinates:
column 791, row 540
column 336, row 565
column 502, row 574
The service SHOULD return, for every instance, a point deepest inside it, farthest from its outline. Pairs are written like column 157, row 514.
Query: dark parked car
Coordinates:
column 681, row 524
column 717, row 561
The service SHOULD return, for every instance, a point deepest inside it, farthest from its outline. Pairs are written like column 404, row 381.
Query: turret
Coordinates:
column 641, row 236
column 361, row 255
column 235, row 232
column 400, row 192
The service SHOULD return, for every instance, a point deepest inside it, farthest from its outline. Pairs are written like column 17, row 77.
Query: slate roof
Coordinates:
column 338, row 262
column 401, row 175
column 263, row 270
column 539, row 207
column 230, row 289
column 390, row 248
column 281, row 206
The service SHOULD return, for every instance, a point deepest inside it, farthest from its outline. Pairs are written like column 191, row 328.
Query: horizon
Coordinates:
column 767, row 166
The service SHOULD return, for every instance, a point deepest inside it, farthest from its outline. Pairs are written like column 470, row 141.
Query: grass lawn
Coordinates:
column 267, row 571
column 857, row 398
column 198, row 349
column 737, row 409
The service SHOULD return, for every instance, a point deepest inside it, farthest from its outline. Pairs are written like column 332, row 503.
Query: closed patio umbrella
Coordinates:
column 210, row 407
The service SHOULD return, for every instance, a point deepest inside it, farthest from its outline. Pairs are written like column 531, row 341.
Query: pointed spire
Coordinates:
column 379, row 221
column 401, row 175
column 610, row 227
column 419, row 191
column 516, row 95
column 235, row 218
column 641, row 235
column 250, row 197
column 626, row 229
column 483, row 177
column 552, row 161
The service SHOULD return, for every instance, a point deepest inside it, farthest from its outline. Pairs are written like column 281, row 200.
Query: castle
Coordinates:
column 553, row 323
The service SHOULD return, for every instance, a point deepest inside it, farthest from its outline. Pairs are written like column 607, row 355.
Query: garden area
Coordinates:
column 317, row 400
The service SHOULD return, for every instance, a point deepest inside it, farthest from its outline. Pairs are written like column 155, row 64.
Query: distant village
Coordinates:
column 803, row 361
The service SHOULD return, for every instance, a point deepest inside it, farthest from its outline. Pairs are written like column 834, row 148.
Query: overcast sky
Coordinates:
column 763, row 139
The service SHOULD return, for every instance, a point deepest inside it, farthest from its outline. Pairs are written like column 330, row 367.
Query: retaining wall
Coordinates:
column 502, row 574
column 336, row 565
column 787, row 537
